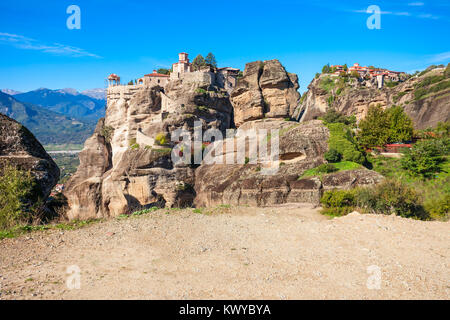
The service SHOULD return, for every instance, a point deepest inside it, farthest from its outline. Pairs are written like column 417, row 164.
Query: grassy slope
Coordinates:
column 341, row 166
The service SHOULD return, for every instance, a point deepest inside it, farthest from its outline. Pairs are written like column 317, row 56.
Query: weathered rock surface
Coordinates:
column 302, row 146
column 265, row 90
column 356, row 97
column 19, row 148
column 122, row 169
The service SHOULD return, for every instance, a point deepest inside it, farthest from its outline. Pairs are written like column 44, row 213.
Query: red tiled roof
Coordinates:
column 156, row 75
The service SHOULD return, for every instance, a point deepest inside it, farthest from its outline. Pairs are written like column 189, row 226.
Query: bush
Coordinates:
column 161, row 139
column 107, row 133
column 341, row 140
column 438, row 206
column 447, row 71
column 326, row 168
column 338, row 202
column 333, row 155
column 200, row 90
column 17, row 192
column 391, row 197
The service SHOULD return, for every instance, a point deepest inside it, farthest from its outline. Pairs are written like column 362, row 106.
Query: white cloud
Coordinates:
column 416, row 4
column 428, row 16
column 405, row 14
column 440, row 57
column 22, row 42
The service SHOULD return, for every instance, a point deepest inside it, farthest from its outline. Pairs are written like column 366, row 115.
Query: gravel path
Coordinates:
column 289, row 252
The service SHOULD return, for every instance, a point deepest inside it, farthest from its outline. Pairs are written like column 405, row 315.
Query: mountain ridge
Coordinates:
column 46, row 125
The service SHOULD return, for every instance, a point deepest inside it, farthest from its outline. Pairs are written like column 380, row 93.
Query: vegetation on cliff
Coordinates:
column 417, row 185
column 18, row 197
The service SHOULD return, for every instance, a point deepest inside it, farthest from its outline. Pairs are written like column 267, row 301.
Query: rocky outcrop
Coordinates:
column 122, row 167
column 301, row 146
column 266, row 90
column 353, row 97
column 126, row 165
column 19, row 148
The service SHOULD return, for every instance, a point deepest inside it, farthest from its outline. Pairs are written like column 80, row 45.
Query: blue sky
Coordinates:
column 134, row 37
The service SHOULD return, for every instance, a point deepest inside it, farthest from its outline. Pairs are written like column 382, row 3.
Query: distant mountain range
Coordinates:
column 10, row 91
column 48, row 126
column 99, row 94
column 89, row 106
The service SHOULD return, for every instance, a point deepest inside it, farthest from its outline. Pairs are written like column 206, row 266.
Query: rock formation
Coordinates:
column 126, row 165
column 19, row 148
column 301, row 146
column 122, row 167
column 265, row 90
column 353, row 97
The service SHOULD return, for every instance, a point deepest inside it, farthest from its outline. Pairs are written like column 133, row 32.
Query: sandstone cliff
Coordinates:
column 19, row 148
column 126, row 165
column 123, row 167
column 301, row 147
column 266, row 90
column 351, row 96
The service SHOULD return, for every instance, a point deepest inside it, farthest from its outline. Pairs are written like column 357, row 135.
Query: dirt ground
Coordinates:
column 288, row 252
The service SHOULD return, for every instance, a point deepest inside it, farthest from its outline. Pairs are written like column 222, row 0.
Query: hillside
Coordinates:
column 49, row 127
column 66, row 101
column 425, row 97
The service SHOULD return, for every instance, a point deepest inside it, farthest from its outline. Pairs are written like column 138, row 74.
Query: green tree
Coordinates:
column 210, row 60
column 198, row 62
column 326, row 68
column 400, row 127
column 424, row 157
column 163, row 71
column 374, row 128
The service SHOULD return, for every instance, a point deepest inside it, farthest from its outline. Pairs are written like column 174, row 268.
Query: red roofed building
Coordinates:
column 154, row 78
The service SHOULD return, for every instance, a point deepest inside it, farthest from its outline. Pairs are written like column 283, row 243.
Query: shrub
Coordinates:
column 391, row 84
column 332, row 116
column 398, row 96
column 447, row 71
column 391, row 197
column 17, row 192
column 341, row 139
column 438, row 206
column 107, row 133
column 338, row 202
column 333, row 155
column 327, row 84
column 200, row 90
column 161, row 139
column 326, row 168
